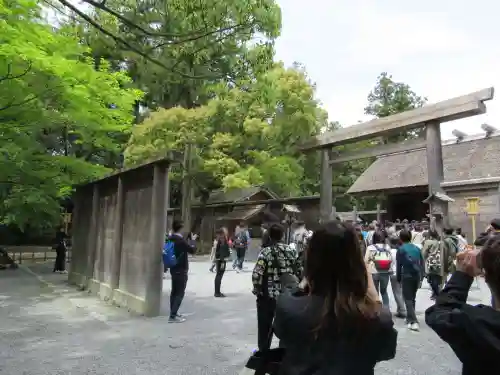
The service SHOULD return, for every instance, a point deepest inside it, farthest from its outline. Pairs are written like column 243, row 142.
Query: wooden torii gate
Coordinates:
column 429, row 116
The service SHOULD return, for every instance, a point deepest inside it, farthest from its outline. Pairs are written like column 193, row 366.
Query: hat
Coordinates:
column 495, row 224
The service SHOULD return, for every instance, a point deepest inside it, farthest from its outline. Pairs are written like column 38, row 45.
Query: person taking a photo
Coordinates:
column 473, row 332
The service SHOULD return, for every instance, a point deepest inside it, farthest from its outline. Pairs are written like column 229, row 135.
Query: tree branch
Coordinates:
column 9, row 72
column 186, row 37
column 13, row 104
column 128, row 45
column 233, row 30
column 198, row 50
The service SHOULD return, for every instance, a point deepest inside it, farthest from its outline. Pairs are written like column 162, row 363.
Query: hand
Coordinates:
column 194, row 237
column 467, row 262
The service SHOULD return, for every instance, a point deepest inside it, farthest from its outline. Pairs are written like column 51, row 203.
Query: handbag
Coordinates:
column 264, row 363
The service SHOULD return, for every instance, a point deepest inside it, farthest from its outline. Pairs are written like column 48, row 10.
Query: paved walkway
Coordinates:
column 57, row 330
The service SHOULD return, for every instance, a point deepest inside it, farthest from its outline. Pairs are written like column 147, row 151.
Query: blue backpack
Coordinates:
column 169, row 258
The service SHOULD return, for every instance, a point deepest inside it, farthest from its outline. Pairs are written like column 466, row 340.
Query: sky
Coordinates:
column 442, row 49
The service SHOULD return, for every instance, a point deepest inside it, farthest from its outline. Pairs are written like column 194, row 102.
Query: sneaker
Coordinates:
column 180, row 316
column 401, row 315
column 176, row 319
column 238, row 270
column 415, row 327
column 409, row 325
column 219, row 295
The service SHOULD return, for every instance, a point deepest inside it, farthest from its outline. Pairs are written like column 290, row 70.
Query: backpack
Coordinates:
column 169, row 258
column 452, row 242
column 241, row 240
column 433, row 261
column 382, row 260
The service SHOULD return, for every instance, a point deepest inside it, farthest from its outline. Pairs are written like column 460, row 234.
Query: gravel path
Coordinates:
column 58, row 330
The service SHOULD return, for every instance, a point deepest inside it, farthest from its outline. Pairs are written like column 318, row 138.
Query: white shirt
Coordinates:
column 394, row 253
column 462, row 242
column 417, row 238
column 369, row 236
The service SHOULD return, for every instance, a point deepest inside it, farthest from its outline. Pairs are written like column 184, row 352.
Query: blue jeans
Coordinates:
column 381, row 281
column 240, row 257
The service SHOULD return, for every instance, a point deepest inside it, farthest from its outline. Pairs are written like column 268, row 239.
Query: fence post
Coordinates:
column 118, row 235
column 92, row 236
column 154, row 283
column 379, row 214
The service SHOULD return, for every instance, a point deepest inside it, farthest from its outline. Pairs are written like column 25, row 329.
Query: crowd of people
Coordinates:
column 337, row 320
column 326, row 296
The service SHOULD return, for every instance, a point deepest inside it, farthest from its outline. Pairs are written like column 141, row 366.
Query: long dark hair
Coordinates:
column 221, row 235
column 335, row 270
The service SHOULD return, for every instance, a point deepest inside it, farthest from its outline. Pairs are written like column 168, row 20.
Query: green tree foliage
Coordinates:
column 174, row 49
column 244, row 135
column 389, row 97
column 60, row 119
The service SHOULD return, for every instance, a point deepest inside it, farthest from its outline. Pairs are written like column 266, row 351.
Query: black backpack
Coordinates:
column 241, row 240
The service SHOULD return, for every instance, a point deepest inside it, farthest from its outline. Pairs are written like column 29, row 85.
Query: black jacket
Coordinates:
column 181, row 248
column 332, row 353
column 473, row 332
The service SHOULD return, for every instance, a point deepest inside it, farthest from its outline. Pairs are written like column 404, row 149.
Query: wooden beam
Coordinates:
column 291, row 200
column 448, row 110
column 379, row 150
column 360, row 213
column 435, row 173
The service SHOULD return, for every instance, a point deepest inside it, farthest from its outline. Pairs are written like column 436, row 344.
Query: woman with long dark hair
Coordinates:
column 222, row 252
column 336, row 324
column 60, row 248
